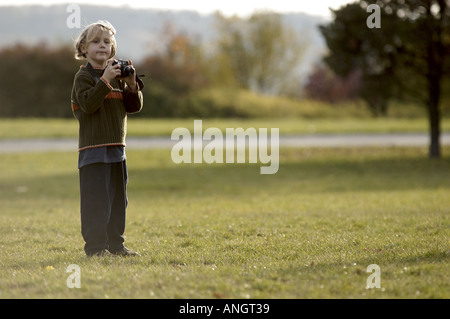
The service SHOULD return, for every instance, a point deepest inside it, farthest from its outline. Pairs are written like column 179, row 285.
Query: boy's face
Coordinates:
column 99, row 49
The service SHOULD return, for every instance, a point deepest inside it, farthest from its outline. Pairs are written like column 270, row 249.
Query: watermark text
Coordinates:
column 374, row 280
column 74, row 279
column 73, row 21
column 374, row 20
column 234, row 144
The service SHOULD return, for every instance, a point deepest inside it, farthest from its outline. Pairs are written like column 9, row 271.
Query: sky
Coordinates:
column 227, row 7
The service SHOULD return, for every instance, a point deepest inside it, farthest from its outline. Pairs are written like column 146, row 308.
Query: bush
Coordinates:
column 36, row 81
column 237, row 103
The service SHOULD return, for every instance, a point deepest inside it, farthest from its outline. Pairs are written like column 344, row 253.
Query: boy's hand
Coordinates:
column 111, row 71
column 131, row 80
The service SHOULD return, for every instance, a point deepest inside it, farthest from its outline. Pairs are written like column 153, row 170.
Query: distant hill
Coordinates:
column 138, row 30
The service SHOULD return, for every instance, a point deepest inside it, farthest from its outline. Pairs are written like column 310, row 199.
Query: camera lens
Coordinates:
column 127, row 71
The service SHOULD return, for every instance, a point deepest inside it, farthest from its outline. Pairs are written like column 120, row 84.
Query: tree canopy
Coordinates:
column 406, row 58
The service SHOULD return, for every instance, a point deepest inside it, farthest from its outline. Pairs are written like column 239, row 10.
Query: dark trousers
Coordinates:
column 103, row 190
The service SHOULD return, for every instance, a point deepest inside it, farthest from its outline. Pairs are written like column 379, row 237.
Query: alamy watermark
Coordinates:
column 74, row 279
column 234, row 144
column 374, row 280
column 73, row 21
column 374, row 20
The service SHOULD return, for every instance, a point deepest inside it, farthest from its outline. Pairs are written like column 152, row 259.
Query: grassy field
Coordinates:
column 32, row 128
column 224, row 231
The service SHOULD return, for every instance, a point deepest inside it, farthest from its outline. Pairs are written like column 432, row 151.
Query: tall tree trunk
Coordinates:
column 435, row 58
column 434, row 118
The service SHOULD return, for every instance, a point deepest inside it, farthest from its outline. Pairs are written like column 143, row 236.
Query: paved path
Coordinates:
column 299, row 141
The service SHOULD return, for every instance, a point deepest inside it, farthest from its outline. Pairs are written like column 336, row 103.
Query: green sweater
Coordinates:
column 101, row 109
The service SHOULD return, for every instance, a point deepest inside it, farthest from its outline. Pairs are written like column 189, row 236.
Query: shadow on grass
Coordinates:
column 306, row 176
column 302, row 178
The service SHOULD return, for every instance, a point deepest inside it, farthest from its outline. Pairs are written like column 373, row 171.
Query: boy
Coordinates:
column 100, row 102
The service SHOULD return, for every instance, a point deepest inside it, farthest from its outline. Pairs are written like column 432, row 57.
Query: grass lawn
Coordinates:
column 225, row 231
column 33, row 128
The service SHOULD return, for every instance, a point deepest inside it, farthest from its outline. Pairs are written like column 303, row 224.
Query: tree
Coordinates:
column 406, row 58
column 261, row 52
column 176, row 70
column 324, row 85
column 355, row 48
column 178, row 65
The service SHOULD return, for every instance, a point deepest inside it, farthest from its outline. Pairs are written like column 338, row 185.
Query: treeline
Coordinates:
column 407, row 58
column 36, row 81
column 184, row 78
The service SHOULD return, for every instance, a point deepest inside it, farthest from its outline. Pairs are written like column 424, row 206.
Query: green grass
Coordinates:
column 224, row 231
column 41, row 128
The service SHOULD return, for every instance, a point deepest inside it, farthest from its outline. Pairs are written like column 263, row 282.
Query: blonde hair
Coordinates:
column 91, row 32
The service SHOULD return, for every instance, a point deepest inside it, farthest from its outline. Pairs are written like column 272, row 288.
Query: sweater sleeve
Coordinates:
column 88, row 94
column 134, row 101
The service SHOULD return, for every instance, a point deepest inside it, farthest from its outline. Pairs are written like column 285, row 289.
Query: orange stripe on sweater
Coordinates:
column 101, row 145
column 114, row 95
column 111, row 95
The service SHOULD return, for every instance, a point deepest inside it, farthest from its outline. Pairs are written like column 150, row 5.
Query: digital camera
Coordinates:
column 125, row 68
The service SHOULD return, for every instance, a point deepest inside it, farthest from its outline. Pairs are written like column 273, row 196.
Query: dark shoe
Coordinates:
column 124, row 252
column 101, row 253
